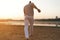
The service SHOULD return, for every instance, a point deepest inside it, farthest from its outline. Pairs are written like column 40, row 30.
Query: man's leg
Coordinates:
column 26, row 29
column 31, row 29
column 31, row 21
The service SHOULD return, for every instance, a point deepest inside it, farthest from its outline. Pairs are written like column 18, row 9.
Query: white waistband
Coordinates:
column 28, row 16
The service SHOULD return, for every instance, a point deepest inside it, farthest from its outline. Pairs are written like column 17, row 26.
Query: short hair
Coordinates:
column 29, row 1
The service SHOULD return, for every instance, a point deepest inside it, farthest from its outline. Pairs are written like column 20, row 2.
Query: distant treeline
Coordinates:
column 47, row 19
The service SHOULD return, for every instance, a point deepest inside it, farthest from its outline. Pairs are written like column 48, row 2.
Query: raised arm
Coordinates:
column 36, row 8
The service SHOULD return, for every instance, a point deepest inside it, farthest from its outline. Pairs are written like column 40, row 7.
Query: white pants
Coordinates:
column 28, row 20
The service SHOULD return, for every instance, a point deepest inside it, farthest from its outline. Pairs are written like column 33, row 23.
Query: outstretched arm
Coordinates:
column 37, row 8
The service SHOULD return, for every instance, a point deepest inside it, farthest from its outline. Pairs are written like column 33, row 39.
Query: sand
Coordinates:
column 16, row 32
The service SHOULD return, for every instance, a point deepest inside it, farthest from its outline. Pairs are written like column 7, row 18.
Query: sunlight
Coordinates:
column 13, row 9
column 8, row 9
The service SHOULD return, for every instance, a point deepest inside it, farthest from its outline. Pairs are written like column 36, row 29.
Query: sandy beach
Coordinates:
column 16, row 32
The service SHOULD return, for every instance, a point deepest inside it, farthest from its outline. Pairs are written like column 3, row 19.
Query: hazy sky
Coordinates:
column 14, row 8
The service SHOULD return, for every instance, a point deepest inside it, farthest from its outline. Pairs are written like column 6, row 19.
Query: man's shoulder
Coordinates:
column 25, row 6
column 32, row 3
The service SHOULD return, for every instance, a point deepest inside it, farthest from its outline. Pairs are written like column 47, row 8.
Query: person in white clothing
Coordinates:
column 29, row 18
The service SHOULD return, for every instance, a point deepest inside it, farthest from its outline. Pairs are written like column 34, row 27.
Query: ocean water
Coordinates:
column 36, row 23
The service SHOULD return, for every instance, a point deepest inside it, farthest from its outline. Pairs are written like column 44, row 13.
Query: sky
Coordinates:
column 13, row 9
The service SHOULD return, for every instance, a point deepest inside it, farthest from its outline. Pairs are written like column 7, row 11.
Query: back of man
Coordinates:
column 28, row 9
column 29, row 19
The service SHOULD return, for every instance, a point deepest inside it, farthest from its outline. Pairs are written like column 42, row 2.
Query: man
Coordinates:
column 29, row 14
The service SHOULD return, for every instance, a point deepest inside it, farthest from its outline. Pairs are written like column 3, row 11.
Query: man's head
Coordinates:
column 29, row 1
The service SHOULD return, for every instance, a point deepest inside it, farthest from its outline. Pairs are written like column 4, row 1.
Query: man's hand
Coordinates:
column 39, row 10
